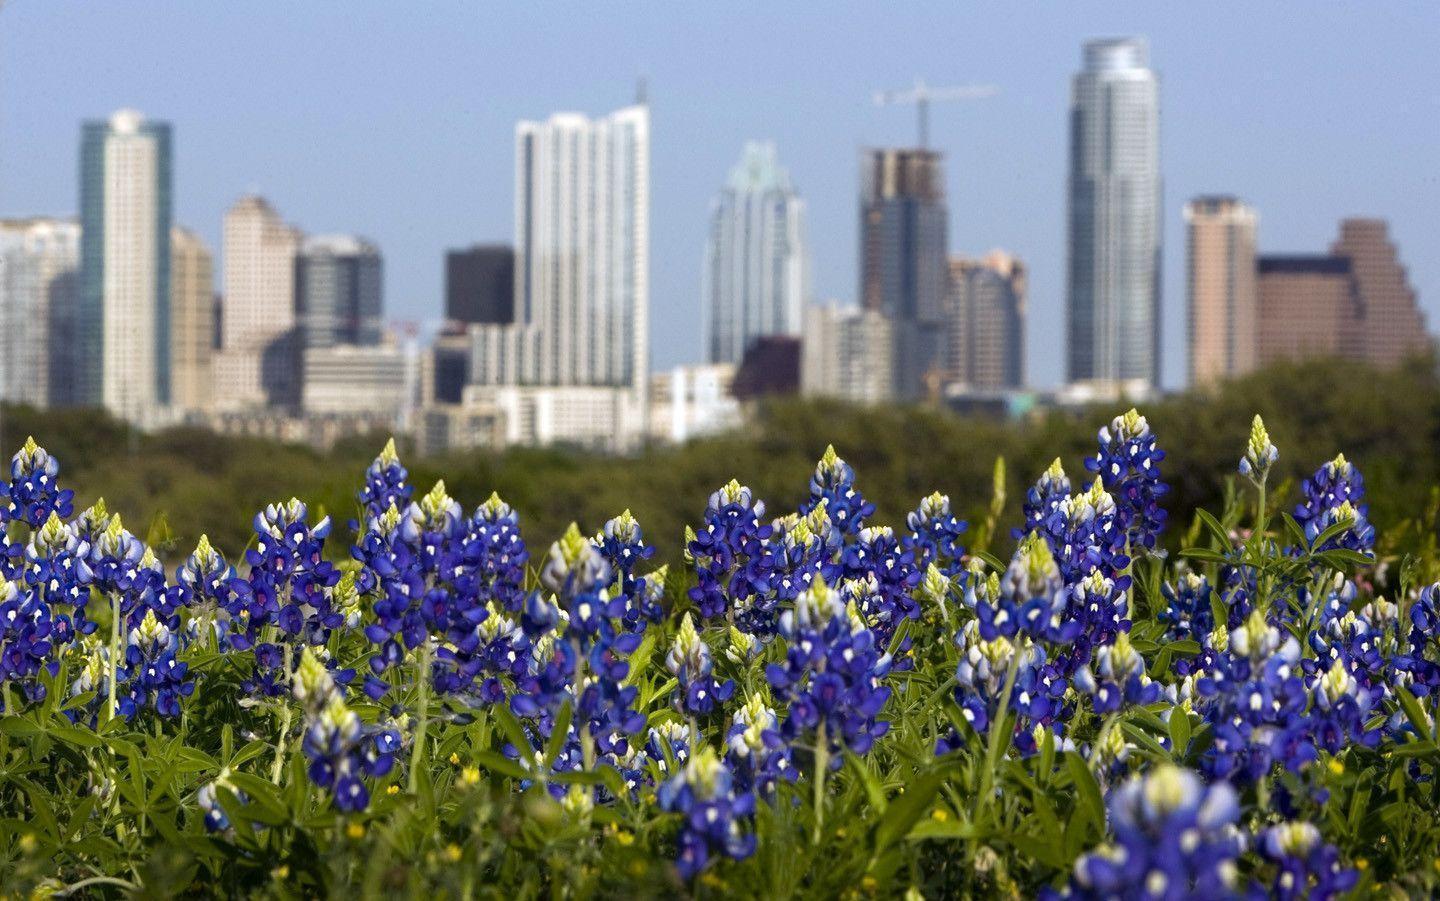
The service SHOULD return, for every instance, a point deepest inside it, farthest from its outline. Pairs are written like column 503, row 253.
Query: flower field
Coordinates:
column 416, row 701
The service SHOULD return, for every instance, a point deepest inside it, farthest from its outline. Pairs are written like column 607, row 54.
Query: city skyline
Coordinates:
column 1221, row 132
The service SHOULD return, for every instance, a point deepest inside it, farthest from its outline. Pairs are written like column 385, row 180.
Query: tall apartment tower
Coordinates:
column 339, row 291
column 1113, row 298
column 258, row 365
column 39, row 263
column 123, row 325
column 192, row 320
column 1394, row 325
column 985, row 338
column 904, row 272
column 1222, row 295
column 582, row 238
column 756, row 272
column 480, row 285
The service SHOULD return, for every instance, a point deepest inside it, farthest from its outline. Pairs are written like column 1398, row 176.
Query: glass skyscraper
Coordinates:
column 338, row 291
column 756, row 269
column 123, row 322
column 1113, row 304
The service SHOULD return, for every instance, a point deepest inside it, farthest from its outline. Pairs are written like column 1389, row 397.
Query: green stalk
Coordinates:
column 998, row 726
column 114, row 662
column 278, row 767
column 417, row 754
column 822, row 767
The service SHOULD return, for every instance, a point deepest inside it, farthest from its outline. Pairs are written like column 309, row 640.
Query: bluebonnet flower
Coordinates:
column 1117, row 677
column 935, row 535
column 202, row 585
column 494, row 554
column 213, row 814
column 1306, row 866
column 1029, row 598
column 804, row 547
column 834, row 483
column 1042, row 498
column 1420, row 660
column 754, row 749
column 716, row 818
column 980, row 677
column 831, row 674
column 1255, row 701
column 33, row 493
column 732, row 563
column 154, row 678
column 876, row 555
column 1187, row 613
column 385, row 484
column 1336, row 494
column 690, row 662
column 1260, row 453
column 1129, row 466
column 623, row 544
column 29, row 634
column 1175, row 838
column 1340, row 710
column 342, row 750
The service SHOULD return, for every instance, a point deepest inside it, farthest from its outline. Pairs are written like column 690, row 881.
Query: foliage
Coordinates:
column 799, row 703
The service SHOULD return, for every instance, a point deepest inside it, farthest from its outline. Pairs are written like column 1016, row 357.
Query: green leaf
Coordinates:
column 873, row 791
column 558, row 734
column 1204, row 555
column 1415, row 713
column 510, row 726
column 1086, row 787
column 1179, row 732
column 499, row 763
column 905, row 811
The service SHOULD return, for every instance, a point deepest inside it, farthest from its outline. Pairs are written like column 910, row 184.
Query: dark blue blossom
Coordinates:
column 29, row 635
column 717, row 819
column 732, row 563
column 1335, row 494
column 33, row 493
column 834, row 483
column 935, row 536
column 690, row 662
column 1042, row 498
column 1129, row 466
column 1306, row 867
column 342, row 750
column 1175, row 838
column 385, row 484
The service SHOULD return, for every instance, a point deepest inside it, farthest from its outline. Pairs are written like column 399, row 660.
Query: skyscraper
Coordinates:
column 903, row 267
column 847, row 354
column 39, row 259
column 192, row 325
column 1221, row 291
column 480, row 285
column 985, row 346
column 1113, row 305
column 123, row 326
column 259, row 364
column 582, row 236
column 755, row 273
column 1309, row 307
column 339, row 291
column 1394, row 325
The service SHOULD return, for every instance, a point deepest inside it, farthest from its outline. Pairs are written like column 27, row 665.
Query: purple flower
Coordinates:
column 1129, row 466
column 716, row 818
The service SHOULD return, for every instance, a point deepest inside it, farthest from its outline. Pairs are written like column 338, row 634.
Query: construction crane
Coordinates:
column 922, row 95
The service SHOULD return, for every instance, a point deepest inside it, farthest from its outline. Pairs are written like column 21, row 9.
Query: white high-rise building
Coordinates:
column 39, row 272
column 125, row 208
column 848, row 354
column 582, row 245
column 258, row 364
column 1113, row 310
column 756, row 272
column 582, row 276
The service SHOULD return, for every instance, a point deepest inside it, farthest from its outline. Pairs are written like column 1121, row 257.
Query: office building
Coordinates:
column 1308, row 307
column 339, row 288
column 39, row 288
column 1113, row 298
column 480, row 285
column 903, row 266
column 691, row 401
column 192, row 325
column 985, row 338
column 259, row 363
column 123, row 324
column 771, row 367
column 352, row 379
column 755, row 273
column 847, row 354
column 1394, row 325
column 1222, row 297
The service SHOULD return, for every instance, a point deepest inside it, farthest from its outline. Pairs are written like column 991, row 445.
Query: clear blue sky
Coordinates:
column 396, row 120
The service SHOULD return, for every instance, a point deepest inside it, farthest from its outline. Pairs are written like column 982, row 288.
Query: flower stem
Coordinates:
column 417, row 754
column 998, row 725
column 822, row 768
column 278, row 767
column 114, row 662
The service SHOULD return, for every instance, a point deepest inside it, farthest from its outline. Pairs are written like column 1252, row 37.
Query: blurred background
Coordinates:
column 608, row 257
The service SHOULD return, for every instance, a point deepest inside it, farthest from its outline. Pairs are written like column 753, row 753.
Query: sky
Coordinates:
column 396, row 121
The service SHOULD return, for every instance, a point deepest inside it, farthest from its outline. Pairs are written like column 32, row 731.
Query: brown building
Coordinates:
column 1394, row 326
column 1221, row 289
column 1308, row 308
column 192, row 320
column 985, row 332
